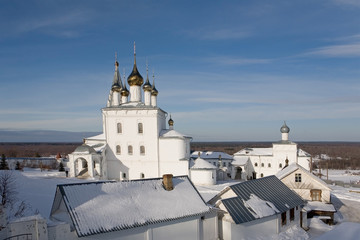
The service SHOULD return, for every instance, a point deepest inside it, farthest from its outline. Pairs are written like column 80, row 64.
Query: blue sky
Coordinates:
column 225, row 70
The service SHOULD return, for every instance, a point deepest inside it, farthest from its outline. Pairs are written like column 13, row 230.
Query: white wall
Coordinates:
column 203, row 176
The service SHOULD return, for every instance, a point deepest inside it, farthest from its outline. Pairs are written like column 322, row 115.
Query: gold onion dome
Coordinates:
column 171, row 122
column 135, row 79
column 154, row 91
column 147, row 86
column 124, row 92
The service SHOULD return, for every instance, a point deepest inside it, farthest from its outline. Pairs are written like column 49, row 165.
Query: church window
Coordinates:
column 280, row 165
column 140, row 128
column 262, row 175
column 124, row 175
column 119, row 128
column 256, row 164
column 292, row 214
column 142, row 150
column 118, row 149
column 130, row 150
column 142, row 175
column 315, row 194
column 214, row 163
column 283, row 219
column 262, row 164
column 269, row 164
column 297, row 177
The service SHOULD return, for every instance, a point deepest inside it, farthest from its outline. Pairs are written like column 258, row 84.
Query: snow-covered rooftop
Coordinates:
column 319, row 206
column 255, row 152
column 171, row 133
column 97, row 137
column 240, row 160
column 211, row 155
column 260, row 208
column 109, row 206
column 292, row 168
column 202, row 164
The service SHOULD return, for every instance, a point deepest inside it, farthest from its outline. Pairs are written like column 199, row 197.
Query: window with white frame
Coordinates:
column 119, row 128
column 142, row 150
column 297, row 177
column 130, row 150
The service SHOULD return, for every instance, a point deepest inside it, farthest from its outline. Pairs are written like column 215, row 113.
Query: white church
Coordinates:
column 262, row 162
column 135, row 143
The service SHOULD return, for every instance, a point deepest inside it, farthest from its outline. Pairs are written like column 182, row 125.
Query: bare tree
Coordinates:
column 7, row 188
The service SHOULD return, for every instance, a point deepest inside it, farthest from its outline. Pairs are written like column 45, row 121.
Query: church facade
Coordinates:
column 268, row 161
column 135, row 143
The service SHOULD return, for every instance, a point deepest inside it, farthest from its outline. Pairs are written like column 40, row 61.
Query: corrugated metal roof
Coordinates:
column 268, row 189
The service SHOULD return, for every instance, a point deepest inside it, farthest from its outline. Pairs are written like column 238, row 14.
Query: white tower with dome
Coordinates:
column 135, row 142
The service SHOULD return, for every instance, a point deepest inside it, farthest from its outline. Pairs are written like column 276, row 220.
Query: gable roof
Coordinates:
column 100, row 207
column 269, row 189
column 294, row 167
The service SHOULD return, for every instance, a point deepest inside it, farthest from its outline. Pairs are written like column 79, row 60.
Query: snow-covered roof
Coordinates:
column 302, row 153
column 97, row 137
column 171, row 133
column 294, row 167
column 211, row 155
column 84, row 148
column 202, row 164
column 255, row 152
column 100, row 207
column 319, row 206
column 240, row 160
column 267, row 189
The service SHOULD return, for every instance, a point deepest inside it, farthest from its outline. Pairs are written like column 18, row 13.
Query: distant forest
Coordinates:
column 344, row 155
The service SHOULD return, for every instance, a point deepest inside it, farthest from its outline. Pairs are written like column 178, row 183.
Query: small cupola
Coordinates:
column 171, row 123
column 284, row 132
column 147, row 86
column 116, row 86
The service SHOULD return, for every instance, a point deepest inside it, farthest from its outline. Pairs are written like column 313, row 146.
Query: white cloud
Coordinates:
column 343, row 50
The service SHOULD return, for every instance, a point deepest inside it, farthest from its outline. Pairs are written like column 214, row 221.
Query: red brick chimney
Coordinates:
column 167, row 182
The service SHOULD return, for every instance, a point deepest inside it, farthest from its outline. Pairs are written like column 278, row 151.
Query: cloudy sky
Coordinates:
column 225, row 70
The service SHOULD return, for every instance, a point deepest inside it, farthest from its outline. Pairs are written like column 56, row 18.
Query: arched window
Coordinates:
column 269, row 164
column 262, row 164
column 256, row 164
column 124, row 175
column 142, row 175
column 280, row 165
column 142, row 150
column 262, row 175
column 130, row 150
column 118, row 149
column 119, row 128
column 140, row 128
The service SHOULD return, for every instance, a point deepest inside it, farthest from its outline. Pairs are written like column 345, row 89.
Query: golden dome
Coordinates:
column 154, row 91
column 171, row 122
column 124, row 92
column 135, row 79
column 147, row 86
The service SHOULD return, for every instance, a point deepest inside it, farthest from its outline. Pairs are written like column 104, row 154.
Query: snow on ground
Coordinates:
column 346, row 230
column 38, row 188
column 346, row 176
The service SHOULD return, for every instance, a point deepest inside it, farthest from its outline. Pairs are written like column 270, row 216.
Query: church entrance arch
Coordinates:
column 238, row 173
column 81, row 167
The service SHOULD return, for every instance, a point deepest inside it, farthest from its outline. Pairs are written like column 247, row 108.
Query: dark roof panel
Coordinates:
column 269, row 189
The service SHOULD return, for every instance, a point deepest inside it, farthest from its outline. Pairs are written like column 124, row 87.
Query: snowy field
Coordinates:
column 37, row 189
column 346, row 176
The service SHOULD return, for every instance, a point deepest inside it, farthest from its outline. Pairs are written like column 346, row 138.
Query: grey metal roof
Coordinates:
column 269, row 189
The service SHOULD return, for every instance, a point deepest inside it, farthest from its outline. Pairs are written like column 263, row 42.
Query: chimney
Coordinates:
column 167, row 182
